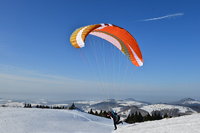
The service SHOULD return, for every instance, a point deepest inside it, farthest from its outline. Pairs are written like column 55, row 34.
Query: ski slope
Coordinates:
column 183, row 124
column 32, row 120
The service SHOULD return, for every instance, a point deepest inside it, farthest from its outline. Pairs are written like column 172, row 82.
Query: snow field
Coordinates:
column 33, row 120
column 183, row 124
column 30, row 120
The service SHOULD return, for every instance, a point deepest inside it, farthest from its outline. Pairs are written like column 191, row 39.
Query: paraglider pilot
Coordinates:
column 115, row 117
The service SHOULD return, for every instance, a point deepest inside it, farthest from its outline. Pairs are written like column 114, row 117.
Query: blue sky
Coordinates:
column 37, row 60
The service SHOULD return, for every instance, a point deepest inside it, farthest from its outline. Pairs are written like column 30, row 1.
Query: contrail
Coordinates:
column 164, row 17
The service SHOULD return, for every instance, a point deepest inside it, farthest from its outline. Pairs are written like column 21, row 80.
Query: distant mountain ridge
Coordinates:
column 188, row 102
column 123, row 107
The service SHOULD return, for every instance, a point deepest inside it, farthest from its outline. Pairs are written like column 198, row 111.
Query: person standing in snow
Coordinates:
column 115, row 117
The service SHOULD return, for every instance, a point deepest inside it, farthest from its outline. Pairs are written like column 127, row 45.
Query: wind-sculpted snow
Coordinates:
column 183, row 124
column 24, row 120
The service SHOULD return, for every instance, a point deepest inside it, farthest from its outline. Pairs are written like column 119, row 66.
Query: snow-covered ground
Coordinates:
column 30, row 120
column 183, row 124
column 191, row 102
column 88, row 102
column 131, row 103
column 158, row 107
column 14, row 104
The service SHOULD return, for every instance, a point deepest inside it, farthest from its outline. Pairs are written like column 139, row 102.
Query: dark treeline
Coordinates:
column 133, row 118
column 137, row 117
column 26, row 105
column 50, row 107
column 101, row 113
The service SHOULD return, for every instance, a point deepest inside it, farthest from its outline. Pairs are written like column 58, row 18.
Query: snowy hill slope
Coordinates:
column 183, row 124
column 32, row 120
column 186, row 101
column 189, row 102
column 160, row 107
column 29, row 120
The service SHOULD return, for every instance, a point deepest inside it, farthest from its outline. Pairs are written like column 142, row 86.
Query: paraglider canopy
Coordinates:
column 117, row 36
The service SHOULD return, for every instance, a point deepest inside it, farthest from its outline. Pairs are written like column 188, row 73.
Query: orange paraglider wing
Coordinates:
column 117, row 36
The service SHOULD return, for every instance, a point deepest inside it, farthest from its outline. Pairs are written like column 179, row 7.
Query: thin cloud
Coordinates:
column 164, row 17
column 14, row 78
